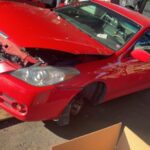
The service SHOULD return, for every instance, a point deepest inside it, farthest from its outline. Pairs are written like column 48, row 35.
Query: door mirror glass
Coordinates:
column 141, row 55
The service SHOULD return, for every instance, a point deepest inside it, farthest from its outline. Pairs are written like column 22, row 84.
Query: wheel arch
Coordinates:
column 93, row 92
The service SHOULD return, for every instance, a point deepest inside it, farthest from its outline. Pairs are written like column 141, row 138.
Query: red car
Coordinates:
column 52, row 62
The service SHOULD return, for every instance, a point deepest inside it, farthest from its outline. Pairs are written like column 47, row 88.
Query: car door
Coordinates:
column 128, row 73
column 138, row 72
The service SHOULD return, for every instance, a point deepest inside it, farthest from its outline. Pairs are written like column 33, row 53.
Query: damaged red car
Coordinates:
column 52, row 62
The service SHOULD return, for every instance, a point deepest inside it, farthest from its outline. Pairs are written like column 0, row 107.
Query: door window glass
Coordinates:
column 144, row 42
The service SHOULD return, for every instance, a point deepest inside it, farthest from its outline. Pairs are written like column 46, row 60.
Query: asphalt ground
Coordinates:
column 132, row 110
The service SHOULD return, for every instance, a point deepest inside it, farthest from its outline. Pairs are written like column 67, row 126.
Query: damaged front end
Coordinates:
column 41, row 67
column 33, row 70
column 17, row 63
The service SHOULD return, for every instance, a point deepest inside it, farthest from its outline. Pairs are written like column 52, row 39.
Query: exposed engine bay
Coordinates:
column 26, row 57
column 11, row 52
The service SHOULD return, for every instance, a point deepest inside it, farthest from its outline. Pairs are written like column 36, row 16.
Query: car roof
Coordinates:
column 130, row 14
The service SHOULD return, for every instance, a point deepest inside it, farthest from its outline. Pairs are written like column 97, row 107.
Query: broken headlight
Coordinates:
column 42, row 76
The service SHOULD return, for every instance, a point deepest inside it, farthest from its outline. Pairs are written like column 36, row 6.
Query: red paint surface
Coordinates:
column 37, row 27
column 29, row 26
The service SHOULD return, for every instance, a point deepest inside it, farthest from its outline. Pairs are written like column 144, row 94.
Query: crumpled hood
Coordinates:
column 30, row 26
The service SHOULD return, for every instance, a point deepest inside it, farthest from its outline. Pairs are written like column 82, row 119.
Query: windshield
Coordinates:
column 102, row 24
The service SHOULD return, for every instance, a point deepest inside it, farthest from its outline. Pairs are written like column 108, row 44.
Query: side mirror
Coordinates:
column 141, row 55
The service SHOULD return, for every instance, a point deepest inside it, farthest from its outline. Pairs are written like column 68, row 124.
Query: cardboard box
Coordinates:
column 110, row 138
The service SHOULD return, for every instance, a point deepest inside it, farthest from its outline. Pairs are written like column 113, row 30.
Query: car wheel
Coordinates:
column 77, row 105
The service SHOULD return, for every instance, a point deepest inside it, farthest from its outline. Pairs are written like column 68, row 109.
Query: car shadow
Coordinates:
column 132, row 110
column 9, row 122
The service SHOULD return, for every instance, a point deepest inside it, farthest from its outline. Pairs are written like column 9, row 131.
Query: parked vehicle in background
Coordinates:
column 52, row 62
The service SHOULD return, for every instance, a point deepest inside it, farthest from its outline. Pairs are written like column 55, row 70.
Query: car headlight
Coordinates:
column 42, row 76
